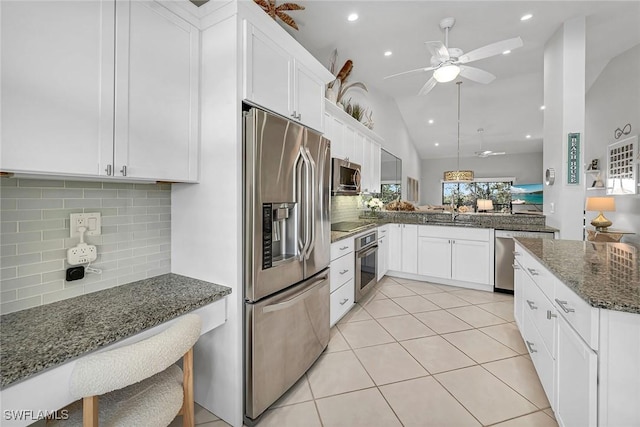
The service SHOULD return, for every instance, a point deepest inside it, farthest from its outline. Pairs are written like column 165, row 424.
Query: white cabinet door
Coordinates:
column 395, row 247
column 156, row 127
column 375, row 167
column 383, row 256
column 367, row 167
column 308, row 97
column 470, row 261
column 349, row 142
column 337, row 139
column 267, row 73
column 518, row 294
column 577, row 371
column 434, row 257
column 410, row 248
column 358, row 149
column 57, row 85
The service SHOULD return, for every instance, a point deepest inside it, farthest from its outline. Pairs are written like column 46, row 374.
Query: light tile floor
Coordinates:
column 417, row 354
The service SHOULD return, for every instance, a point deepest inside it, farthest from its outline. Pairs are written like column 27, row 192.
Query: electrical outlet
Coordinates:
column 91, row 221
column 82, row 254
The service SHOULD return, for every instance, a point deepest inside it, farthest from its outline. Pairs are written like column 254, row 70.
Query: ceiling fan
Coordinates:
column 486, row 153
column 448, row 62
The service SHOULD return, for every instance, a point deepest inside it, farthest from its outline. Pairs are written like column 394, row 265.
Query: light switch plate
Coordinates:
column 90, row 220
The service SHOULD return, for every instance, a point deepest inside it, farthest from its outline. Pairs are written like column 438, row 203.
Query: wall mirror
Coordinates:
column 390, row 177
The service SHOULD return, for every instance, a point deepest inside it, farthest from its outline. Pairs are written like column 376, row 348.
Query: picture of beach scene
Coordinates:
column 526, row 194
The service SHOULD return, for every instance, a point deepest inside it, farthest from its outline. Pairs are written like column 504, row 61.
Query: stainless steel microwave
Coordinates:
column 346, row 177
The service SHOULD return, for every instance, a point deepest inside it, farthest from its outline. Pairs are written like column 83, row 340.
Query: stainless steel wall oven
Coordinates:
column 366, row 264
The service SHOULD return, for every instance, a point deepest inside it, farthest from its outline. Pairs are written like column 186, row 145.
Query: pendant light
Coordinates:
column 458, row 175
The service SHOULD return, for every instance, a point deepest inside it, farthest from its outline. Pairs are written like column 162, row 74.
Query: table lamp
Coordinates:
column 484, row 205
column 601, row 204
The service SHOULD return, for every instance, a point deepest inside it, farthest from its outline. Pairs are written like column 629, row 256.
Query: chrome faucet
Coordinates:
column 454, row 214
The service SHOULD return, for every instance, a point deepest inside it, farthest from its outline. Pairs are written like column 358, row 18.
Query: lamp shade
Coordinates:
column 446, row 73
column 602, row 204
column 485, row 205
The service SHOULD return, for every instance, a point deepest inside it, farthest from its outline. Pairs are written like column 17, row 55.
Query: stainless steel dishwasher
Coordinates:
column 504, row 247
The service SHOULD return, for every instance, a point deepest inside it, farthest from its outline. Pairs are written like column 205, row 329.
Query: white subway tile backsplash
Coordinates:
column 345, row 208
column 135, row 241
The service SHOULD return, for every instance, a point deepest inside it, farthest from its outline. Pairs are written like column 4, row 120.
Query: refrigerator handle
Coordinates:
column 311, row 179
column 295, row 299
column 301, row 209
column 305, row 215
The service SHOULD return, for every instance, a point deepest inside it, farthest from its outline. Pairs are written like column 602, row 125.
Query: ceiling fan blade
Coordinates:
column 476, row 74
column 438, row 50
column 491, row 50
column 410, row 71
column 430, row 84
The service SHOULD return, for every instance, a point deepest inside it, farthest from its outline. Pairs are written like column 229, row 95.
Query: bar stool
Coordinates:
column 138, row 384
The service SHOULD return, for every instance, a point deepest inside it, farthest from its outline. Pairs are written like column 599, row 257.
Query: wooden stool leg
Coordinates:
column 187, row 384
column 90, row 411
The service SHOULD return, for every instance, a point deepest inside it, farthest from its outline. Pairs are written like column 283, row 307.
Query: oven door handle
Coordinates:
column 295, row 299
column 367, row 252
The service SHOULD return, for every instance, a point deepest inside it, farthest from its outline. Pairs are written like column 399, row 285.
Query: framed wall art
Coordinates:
column 622, row 167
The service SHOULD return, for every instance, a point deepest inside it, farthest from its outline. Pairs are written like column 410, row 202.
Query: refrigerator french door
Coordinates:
column 287, row 254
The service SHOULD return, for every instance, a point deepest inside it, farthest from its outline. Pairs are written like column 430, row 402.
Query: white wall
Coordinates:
column 526, row 168
column 390, row 125
column 564, row 98
column 612, row 102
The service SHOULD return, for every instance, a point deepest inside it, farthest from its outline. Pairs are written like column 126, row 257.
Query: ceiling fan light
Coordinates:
column 446, row 73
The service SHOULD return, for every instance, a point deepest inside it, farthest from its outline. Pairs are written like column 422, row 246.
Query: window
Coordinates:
column 466, row 193
column 390, row 192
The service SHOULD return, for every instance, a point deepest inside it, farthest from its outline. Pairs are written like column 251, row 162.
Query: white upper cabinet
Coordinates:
column 62, row 64
column 278, row 81
column 156, row 127
column 57, row 85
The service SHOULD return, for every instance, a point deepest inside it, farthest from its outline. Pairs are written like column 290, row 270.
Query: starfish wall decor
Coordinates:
column 270, row 7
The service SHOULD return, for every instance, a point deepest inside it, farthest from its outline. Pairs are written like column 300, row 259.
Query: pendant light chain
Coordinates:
column 458, row 83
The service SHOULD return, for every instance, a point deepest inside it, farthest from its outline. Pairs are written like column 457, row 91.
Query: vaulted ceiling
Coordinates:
column 508, row 109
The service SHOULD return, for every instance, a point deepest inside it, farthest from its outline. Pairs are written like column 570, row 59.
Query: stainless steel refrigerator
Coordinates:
column 286, row 254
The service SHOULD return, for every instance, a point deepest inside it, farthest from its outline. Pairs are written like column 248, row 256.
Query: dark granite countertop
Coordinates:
column 498, row 222
column 605, row 275
column 43, row 337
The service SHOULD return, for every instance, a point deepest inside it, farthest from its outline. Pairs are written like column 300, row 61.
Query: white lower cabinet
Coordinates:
column 462, row 254
column 586, row 358
column 383, row 251
column 342, row 279
column 403, row 248
column 577, row 371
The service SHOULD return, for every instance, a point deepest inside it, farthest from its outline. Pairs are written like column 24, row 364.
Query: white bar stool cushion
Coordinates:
column 115, row 369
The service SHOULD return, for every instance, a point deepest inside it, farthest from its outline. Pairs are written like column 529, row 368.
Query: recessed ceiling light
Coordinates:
column 526, row 17
column 542, row 107
column 352, row 17
column 506, row 52
column 430, row 121
column 388, row 53
column 436, row 144
column 527, row 136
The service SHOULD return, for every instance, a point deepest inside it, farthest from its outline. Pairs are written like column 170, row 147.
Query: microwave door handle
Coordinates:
column 311, row 179
column 301, row 210
column 356, row 179
column 295, row 299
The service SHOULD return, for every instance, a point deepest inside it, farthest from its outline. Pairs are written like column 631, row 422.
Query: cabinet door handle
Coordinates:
column 530, row 346
column 563, row 306
column 533, row 272
column 550, row 315
column 516, row 253
column 344, row 301
column 532, row 305
column 299, row 116
column 344, row 271
column 123, row 171
column 109, row 170
column 344, row 247
column 515, row 266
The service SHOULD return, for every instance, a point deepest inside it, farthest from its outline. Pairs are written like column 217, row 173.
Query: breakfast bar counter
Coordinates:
column 39, row 346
